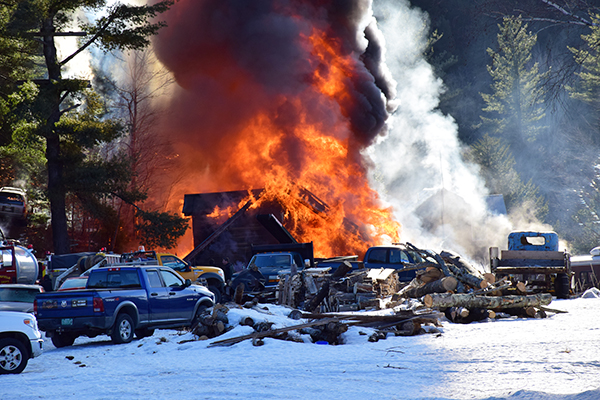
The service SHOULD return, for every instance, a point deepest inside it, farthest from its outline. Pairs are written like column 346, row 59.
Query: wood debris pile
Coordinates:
column 342, row 291
column 212, row 323
column 453, row 286
column 443, row 281
column 327, row 328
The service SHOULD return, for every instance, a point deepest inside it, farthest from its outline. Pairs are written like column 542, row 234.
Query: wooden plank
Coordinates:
column 532, row 255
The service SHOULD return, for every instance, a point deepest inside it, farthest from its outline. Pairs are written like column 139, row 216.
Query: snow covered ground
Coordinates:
column 551, row 359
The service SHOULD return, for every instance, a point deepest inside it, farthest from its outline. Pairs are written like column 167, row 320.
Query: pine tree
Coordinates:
column 66, row 114
column 587, row 215
column 515, row 104
column 588, row 58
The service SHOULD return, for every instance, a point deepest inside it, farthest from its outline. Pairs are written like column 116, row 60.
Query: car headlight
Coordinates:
column 31, row 322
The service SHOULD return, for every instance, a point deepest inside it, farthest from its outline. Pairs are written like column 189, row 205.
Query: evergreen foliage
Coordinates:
column 160, row 230
column 588, row 57
column 64, row 119
column 514, row 105
column 587, row 89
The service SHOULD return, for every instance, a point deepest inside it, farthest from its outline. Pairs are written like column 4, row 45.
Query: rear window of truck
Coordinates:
column 100, row 279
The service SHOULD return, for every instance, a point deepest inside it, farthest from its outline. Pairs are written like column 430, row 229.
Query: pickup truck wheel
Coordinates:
column 562, row 286
column 123, row 329
column 144, row 332
column 13, row 356
column 63, row 340
column 215, row 290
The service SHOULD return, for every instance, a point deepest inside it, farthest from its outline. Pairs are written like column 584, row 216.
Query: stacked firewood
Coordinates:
column 344, row 290
column 211, row 323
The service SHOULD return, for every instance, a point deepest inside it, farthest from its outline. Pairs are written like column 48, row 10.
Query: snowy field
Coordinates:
column 553, row 358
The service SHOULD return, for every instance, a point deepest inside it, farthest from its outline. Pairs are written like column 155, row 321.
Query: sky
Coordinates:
column 555, row 358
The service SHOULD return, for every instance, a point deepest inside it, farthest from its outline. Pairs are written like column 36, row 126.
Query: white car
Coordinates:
column 13, row 202
column 20, row 340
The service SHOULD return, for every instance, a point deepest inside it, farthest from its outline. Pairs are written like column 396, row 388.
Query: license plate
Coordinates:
column 66, row 321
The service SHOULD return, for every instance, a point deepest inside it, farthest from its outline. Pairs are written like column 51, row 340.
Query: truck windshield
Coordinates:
column 276, row 260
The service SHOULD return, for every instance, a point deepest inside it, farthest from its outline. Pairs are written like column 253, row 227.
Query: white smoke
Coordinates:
column 420, row 157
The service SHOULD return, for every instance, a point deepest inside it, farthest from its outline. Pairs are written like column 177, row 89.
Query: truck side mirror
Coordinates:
column 188, row 283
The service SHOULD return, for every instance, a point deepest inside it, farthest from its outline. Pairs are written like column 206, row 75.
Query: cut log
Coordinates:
column 320, row 296
column 239, row 293
column 430, row 274
column 341, row 270
column 247, row 321
column 488, row 276
column 445, row 300
column 409, row 328
column 463, row 270
column 461, row 315
column 446, row 284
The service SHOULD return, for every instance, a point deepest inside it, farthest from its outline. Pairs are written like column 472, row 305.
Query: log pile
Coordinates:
column 452, row 285
column 211, row 324
column 444, row 282
column 342, row 291
column 328, row 328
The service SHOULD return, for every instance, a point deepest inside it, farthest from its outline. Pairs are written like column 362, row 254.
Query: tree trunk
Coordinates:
column 56, row 190
column 445, row 300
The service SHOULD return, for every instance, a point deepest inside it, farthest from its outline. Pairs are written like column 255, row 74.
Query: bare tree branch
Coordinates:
column 90, row 41
column 583, row 21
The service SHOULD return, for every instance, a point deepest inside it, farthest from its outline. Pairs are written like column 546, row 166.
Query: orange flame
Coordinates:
column 301, row 150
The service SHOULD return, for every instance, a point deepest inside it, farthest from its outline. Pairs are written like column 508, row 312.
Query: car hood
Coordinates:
column 16, row 306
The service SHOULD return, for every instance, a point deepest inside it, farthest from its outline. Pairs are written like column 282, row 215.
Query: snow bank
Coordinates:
column 555, row 358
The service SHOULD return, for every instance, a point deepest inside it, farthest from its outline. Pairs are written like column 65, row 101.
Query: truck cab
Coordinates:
column 213, row 277
column 271, row 265
column 534, row 258
column 395, row 256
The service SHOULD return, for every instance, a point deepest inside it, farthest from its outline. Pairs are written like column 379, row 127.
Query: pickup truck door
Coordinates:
column 181, row 301
column 158, row 297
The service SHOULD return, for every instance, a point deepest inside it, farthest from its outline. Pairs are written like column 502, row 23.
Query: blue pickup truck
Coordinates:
column 119, row 301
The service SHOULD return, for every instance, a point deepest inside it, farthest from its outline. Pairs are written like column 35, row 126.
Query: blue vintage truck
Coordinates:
column 120, row 300
column 534, row 258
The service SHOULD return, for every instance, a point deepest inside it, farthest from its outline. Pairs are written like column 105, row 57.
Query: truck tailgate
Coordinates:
column 61, row 305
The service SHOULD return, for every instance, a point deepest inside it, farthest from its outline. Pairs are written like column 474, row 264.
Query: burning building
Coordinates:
column 227, row 224
column 282, row 96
